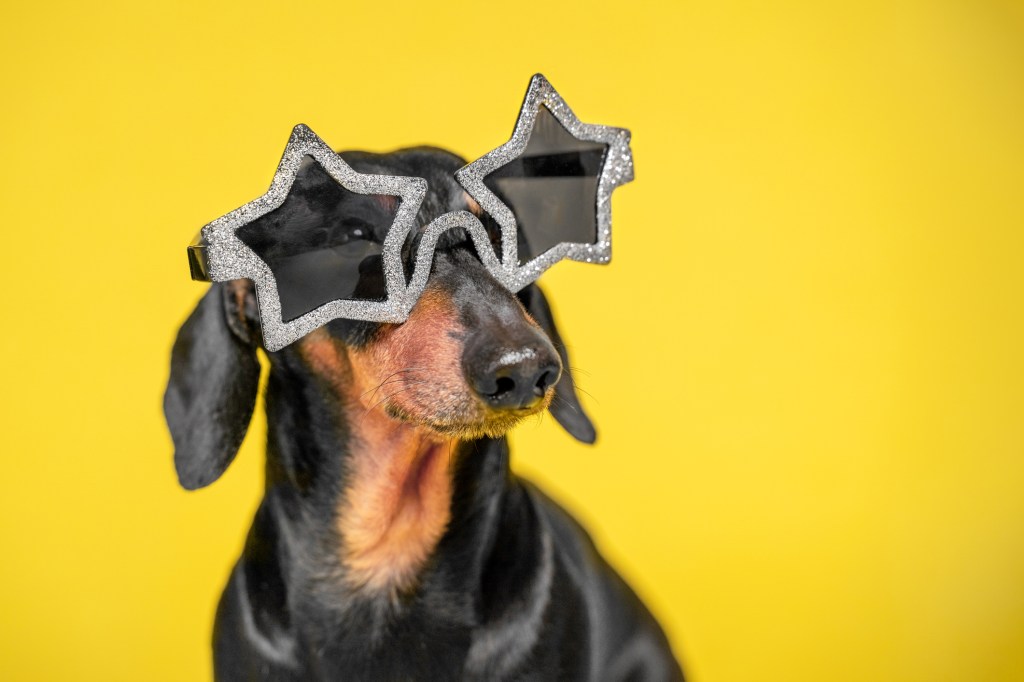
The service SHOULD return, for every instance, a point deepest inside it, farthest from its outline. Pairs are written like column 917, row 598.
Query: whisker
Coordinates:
column 389, row 397
column 540, row 419
column 565, row 402
column 388, row 379
column 576, row 385
column 587, row 393
column 383, row 384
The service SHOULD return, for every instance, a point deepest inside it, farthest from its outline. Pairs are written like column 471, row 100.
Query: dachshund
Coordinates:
column 393, row 542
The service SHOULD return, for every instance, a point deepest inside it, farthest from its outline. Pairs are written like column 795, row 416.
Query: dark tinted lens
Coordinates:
column 551, row 188
column 323, row 243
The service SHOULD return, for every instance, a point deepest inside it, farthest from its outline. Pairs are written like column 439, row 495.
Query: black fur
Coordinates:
column 515, row 588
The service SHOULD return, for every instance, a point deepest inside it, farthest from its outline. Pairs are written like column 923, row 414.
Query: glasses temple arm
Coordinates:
column 198, row 259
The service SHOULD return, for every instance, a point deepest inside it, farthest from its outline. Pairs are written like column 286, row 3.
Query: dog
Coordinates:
column 393, row 541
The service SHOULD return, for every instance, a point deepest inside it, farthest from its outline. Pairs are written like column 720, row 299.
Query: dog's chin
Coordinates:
column 488, row 423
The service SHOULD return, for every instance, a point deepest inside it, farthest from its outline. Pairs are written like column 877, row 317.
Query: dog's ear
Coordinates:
column 566, row 407
column 214, row 379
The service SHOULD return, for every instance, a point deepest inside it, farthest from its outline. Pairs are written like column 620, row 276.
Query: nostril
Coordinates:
column 546, row 378
column 516, row 379
column 504, row 385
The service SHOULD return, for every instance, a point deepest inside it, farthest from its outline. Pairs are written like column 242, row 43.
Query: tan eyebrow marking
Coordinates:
column 388, row 202
column 474, row 207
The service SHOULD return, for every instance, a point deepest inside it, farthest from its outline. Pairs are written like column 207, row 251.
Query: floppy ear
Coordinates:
column 214, row 379
column 566, row 407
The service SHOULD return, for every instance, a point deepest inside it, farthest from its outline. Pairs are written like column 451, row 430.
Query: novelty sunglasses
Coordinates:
column 549, row 187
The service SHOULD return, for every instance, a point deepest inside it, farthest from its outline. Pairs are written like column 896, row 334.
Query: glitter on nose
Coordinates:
column 514, row 357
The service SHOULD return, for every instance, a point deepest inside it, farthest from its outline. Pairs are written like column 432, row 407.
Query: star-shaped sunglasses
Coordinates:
column 549, row 188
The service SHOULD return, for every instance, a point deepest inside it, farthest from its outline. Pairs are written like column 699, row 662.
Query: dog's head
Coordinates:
column 472, row 360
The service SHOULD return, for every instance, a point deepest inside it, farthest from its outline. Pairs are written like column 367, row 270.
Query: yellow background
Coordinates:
column 805, row 361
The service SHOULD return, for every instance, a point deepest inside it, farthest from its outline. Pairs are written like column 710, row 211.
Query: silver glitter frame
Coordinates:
column 616, row 170
column 219, row 255
column 228, row 257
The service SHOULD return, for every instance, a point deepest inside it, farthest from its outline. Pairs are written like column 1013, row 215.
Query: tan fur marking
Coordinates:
column 397, row 502
column 397, row 506
column 406, row 402
column 474, row 207
column 386, row 202
column 239, row 289
column 418, row 365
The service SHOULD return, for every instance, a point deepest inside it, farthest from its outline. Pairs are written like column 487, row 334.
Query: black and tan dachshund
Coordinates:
column 393, row 542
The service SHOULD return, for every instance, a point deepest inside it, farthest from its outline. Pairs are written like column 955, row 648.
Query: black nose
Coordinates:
column 513, row 378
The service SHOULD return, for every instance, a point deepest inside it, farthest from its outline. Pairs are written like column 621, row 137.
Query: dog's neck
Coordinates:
column 385, row 491
column 397, row 500
column 489, row 557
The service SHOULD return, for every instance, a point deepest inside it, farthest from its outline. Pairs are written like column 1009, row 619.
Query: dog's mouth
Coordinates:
column 479, row 421
column 438, row 400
